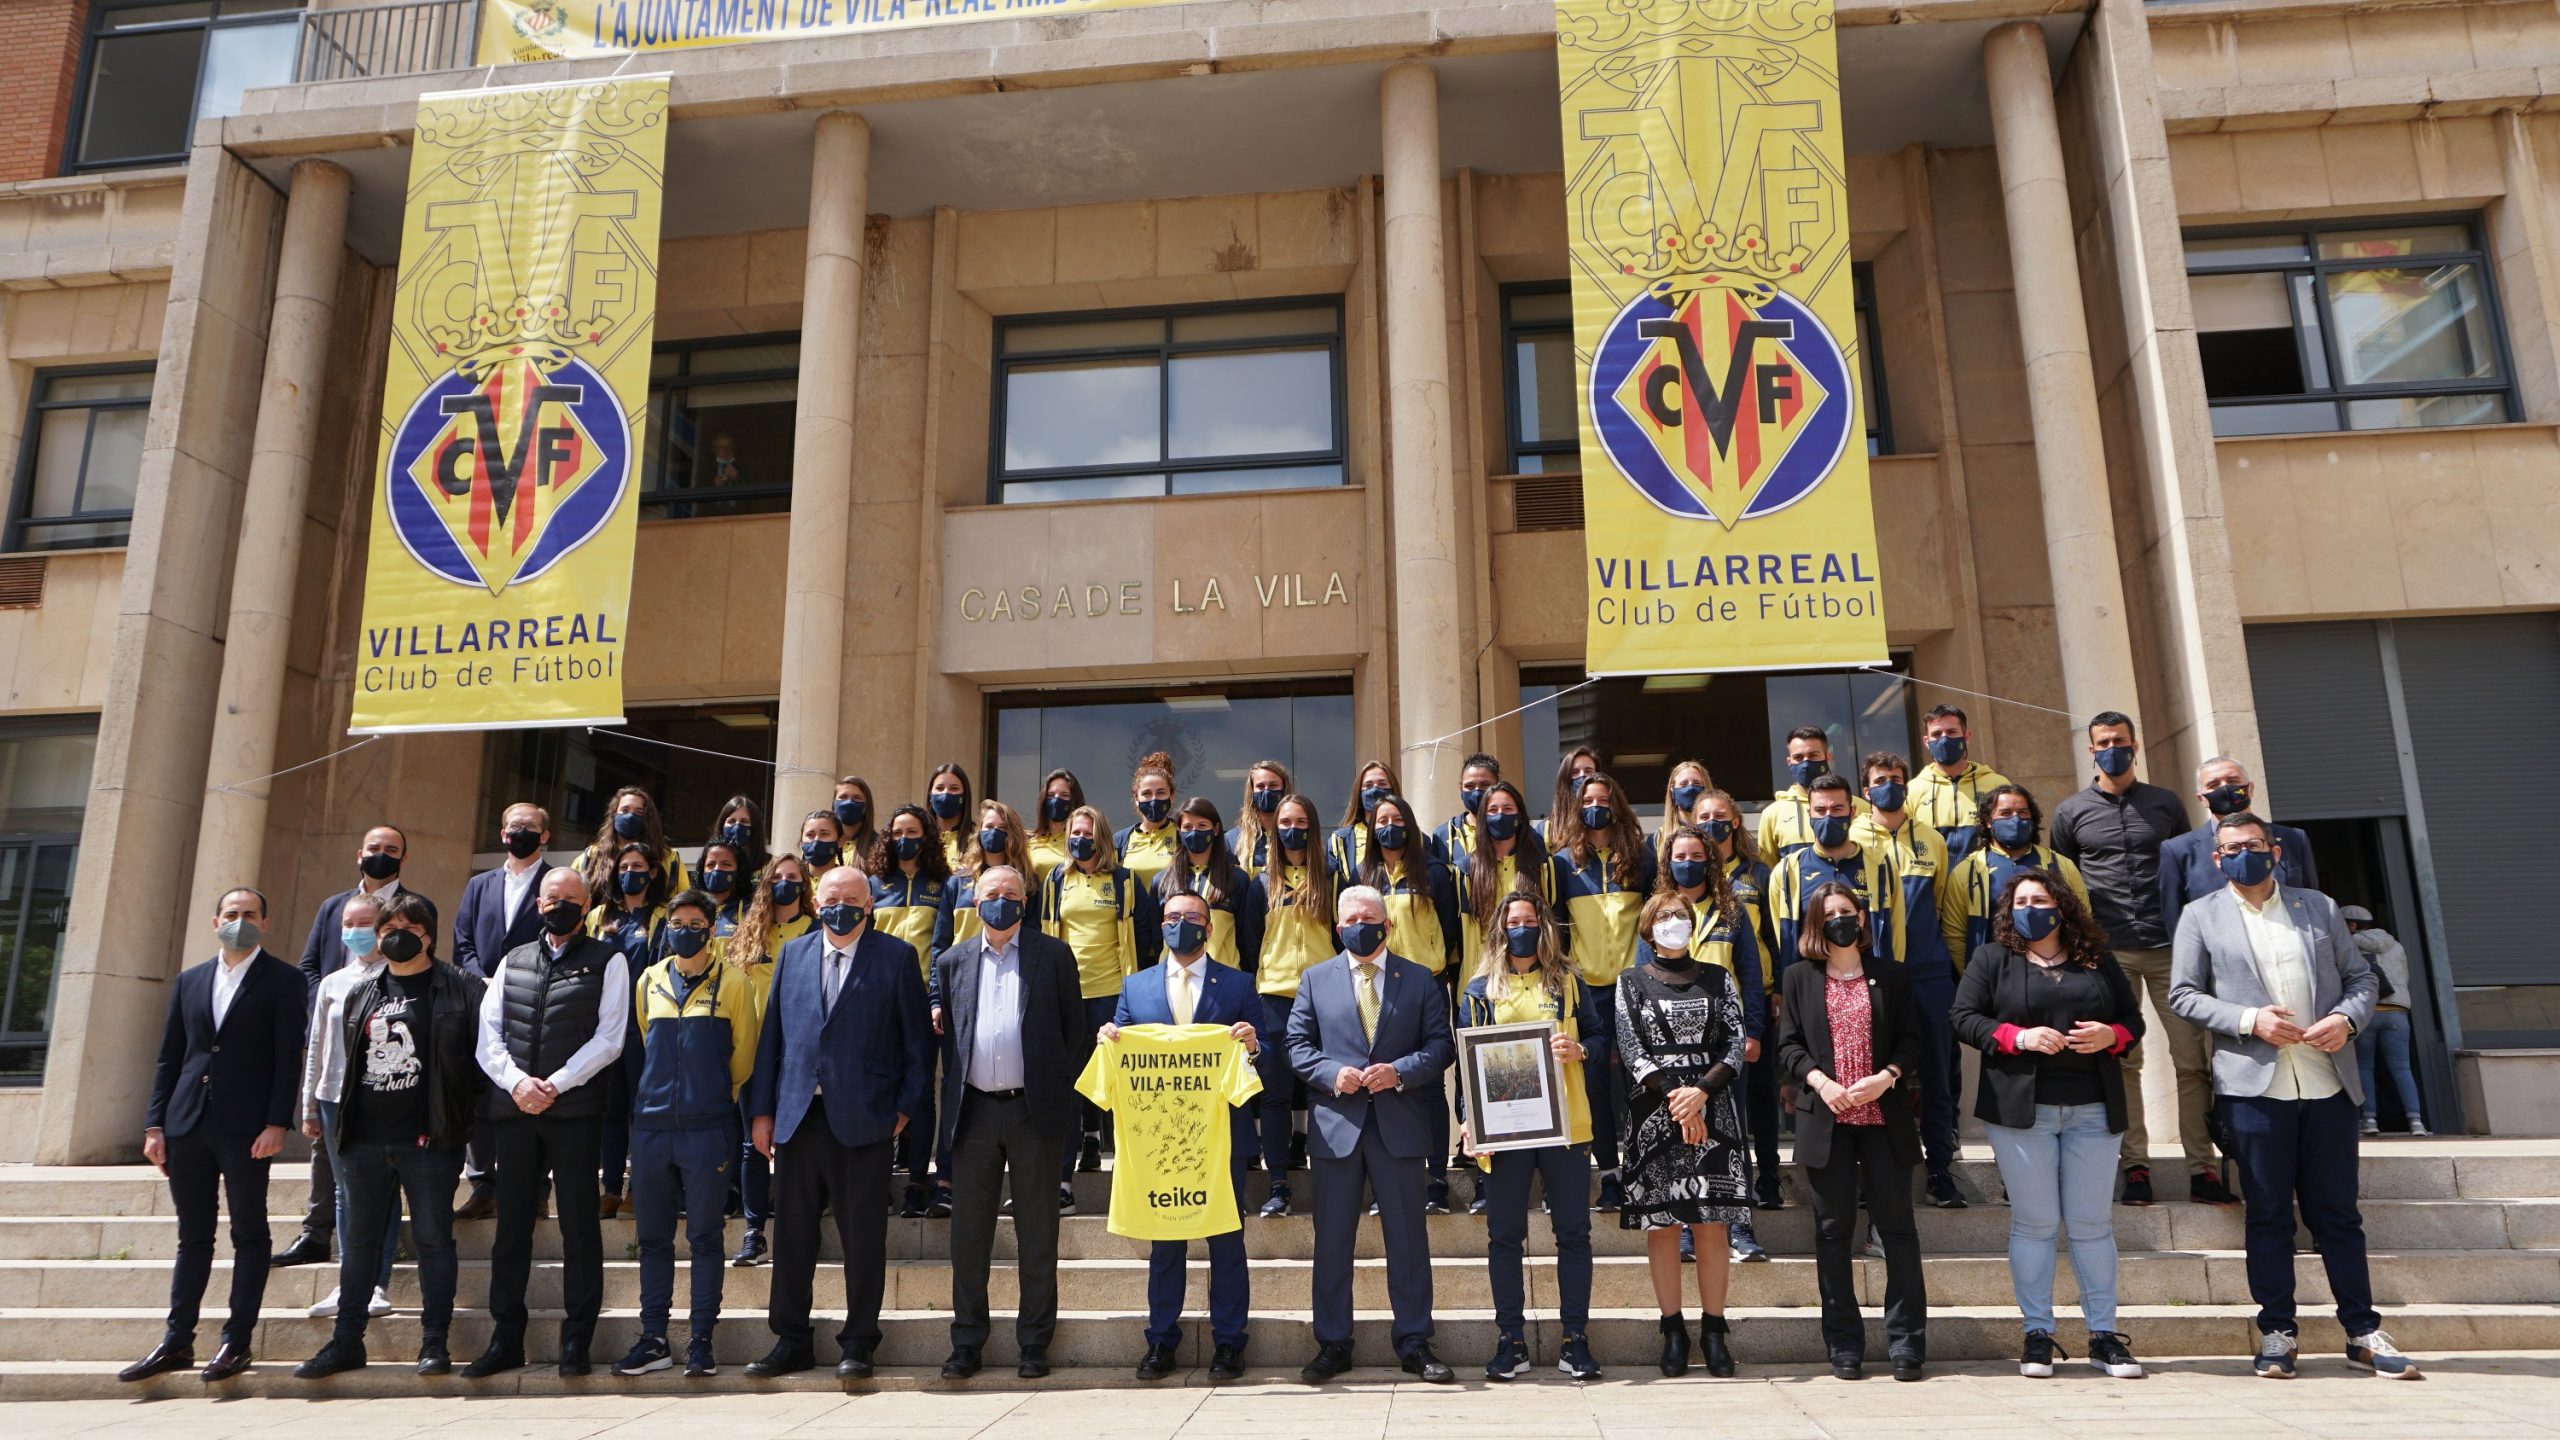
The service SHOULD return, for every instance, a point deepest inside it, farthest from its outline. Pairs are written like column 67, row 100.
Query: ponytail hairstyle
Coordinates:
column 1160, row 765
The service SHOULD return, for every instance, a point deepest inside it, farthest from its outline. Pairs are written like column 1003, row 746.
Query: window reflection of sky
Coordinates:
column 1213, row 741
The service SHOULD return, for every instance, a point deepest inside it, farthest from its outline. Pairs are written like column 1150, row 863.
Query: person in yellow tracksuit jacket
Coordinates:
column 1061, row 795
column 631, row 818
column 697, row 1020
column 1377, row 781
column 1146, row 844
column 1577, row 765
column 910, row 884
column 1787, row 825
column 948, row 798
column 1098, row 907
column 1456, row 837
column 1508, row 856
column 857, row 816
column 1298, row 890
column 1422, row 926
column 776, row 915
column 1604, row 874
column 1948, row 791
column 2011, row 821
column 1686, row 786
column 1266, row 784
column 1835, row 853
column 1205, row 865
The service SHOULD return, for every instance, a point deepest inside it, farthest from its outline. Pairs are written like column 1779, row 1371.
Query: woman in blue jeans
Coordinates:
column 2052, row 1015
column 2386, row 1040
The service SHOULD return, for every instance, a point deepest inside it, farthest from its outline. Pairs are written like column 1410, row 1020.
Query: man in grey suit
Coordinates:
column 2272, row 974
column 1370, row 1037
column 1014, row 1040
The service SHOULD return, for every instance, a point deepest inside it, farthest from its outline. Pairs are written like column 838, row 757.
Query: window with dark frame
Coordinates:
column 2352, row 325
column 1539, row 389
column 44, row 791
column 1213, row 733
column 81, row 459
column 690, row 758
column 1191, row 400
column 153, row 68
column 720, row 433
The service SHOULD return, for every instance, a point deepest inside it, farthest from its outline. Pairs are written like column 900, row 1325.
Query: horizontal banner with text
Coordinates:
column 519, row 31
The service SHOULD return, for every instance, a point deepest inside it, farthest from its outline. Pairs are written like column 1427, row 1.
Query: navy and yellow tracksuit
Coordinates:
column 1541, row 878
column 1973, row 888
column 911, row 908
column 1235, row 923
column 1100, row 914
column 755, row 1173
column 1290, row 944
column 1919, row 856
column 1867, row 870
column 1346, row 846
column 1147, row 854
column 1954, row 806
column 668, row 860
column 1261, row 848
column 1599, row 914
column 1455, row 840
column 1048, row 852
column 698, row 1042
column 1787, row 825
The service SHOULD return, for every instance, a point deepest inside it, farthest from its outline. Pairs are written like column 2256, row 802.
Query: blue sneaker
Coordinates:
column 2374, row 1351
column 2277, row 1354
column 648, row 1353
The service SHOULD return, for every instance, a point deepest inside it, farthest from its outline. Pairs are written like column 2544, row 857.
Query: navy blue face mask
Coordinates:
column 1595, row 817
column 785, row 891
column 2114, row 760
column 1807, row 771
column 1267, row 801
column 1888, row 795
column 1473, row 800
column 1361, row 937
column 2248, row 867
column 2013, row 831
column 1293, row 837
column 1058, row 808
column 1719, row 830
column 1081, row 848
column 945, row 803
column 1520, row 941
column 907, row 847
column 1155, row 810
column 633, row 882
column 1831, row 831
column 1392, row 837
column 1370, row 795
column 1688, row 874
column 631, row 825
column 1684, row 798
column 1000, row 912
column 1502, row 826
column 1185, row 937
column 850, row 810
column 688, row 940
column 739, row 834
column 840, row 918
column 1844, row 930
column 1947, row 749
column 1198, row 841
column 2035, row 922
column 991, row 840
column 819, row 852
column 718, row 882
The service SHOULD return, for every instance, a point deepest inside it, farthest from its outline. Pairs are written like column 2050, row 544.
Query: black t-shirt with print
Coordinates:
column 387, row 1077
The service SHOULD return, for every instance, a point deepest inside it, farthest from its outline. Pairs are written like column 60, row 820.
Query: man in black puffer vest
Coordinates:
column 551, row 1026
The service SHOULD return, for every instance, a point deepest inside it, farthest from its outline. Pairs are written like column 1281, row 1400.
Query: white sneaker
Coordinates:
column 2418, row 1130
column 2369, row 1128
column 381, row 1305
column 327, row 1308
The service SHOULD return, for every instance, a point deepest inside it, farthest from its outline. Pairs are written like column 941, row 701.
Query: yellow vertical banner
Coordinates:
column 498, row 586
column 1727, row 519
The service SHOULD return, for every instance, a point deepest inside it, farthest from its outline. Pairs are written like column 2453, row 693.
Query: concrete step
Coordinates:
column 1624, row 1338
column 1618, row 1282
column 1981, row 1228
column 2391, row 1169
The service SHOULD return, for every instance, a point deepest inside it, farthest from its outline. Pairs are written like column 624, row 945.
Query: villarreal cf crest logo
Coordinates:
column 1720, row 404
column 501, row 470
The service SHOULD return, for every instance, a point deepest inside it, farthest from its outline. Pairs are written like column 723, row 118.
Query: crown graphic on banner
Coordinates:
column 1678, row 263
column 539, row 327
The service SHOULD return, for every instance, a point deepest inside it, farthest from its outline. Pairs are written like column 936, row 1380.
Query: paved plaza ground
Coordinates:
column 2477, row 1397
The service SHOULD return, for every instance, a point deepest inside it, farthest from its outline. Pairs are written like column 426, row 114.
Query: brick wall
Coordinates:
column 39, row 68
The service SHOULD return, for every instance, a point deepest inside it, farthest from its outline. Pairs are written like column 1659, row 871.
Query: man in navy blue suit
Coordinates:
column 1370, row 1037
column 1189, row 988
column 496, row 915
column 226, row 1089
column 845, row 1058
column 2188, row 870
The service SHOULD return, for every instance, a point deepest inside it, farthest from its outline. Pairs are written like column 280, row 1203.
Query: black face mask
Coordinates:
column 563, row 917
column 401, row 946
column 1844, row 930
column 2227, row 799
column 522, row 844
column 380, row 865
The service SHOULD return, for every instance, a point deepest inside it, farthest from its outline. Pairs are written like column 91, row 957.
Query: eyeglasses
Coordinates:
column 2261, row 848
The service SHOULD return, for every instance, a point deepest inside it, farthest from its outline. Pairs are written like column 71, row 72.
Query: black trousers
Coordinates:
column 993, row 1137
column 201, row 1167
column 1862, row 1167
column 320, row 1210
column 811, row 1171
column 531, row 1150
column 377, row 1176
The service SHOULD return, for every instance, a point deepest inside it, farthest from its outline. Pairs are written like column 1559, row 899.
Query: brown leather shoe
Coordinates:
column 227, row 1362
column 608, row 1206
column 480, row 1205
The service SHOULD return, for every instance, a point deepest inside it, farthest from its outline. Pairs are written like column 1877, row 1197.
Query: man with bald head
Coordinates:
column 843, row 1062
column 2187, row 869
column 1014, row 1038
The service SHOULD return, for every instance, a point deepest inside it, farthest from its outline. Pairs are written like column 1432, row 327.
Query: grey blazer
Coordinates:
column 2213, row 981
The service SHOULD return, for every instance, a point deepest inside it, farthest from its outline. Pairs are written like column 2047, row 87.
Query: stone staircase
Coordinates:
column 2465, row 1238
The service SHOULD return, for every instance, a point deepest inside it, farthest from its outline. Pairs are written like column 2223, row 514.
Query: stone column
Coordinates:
column 2062, row 392
column 814, row 590
column 232, row 833
column 1430, row 640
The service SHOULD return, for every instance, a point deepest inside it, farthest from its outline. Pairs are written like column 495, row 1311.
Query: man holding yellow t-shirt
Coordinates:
column 1190, row 989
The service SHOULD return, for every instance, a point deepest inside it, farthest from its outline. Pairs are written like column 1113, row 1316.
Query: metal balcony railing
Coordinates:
column 405, row 37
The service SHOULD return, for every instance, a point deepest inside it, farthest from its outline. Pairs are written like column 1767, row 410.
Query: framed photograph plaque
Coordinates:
column 1514, row 1086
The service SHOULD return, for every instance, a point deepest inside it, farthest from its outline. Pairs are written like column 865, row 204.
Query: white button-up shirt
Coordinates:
column 995, row 1048
column 226, row 983
column 613, row 1012
column 520, row 878
column 2284, row 968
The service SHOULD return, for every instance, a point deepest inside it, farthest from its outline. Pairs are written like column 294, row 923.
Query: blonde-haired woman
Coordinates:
column 1298, row 889
column 998, row 840
column 1266, row 784
column 1523, row 976
column 1094, row 904
column 1680, row 1036
column 1687, row 785
column 1146, row 846
column 777, row 913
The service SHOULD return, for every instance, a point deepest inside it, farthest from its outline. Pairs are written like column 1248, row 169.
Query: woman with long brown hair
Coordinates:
column 1266, row 783
column 1061, row 795
column 948, row 798
column 1203, row 865
column 1603, row 871
column 1375, row 782
column 1298, row 889
column 857, row 814
column 2045, row 1002
column 1575, row 766
column 777, row 913
column 631, row 817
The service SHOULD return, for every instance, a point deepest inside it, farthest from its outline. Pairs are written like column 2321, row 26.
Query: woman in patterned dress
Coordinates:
column 1680, row 1036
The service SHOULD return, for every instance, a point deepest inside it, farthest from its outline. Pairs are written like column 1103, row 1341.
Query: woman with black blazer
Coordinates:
column 1851, row 1043
column 2050, row 1011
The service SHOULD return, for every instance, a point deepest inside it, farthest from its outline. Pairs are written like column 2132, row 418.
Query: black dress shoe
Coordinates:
column 911, row 1204
column 1846, row 1365
column 574, row 1361
column 335, row 1358
column 1906, row 1366
column 785, row 1358
column 1423, row 1363
column 308, row 1248
column 1227, row 1363
column 497, row 1359
column 939, row 1207
column 227, row 1361
column 1035, row 1363
column 856, row 1365
column 166, row 1356
column 1157, row 1363
column 1330, row 1362
column 480, row 1205
column 434, row 1358
column 962, row 1364
column 1090, row 1162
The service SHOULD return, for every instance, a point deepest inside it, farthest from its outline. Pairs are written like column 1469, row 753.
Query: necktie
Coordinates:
column 835, row 976
column 1180, row 981
column 1368, row 992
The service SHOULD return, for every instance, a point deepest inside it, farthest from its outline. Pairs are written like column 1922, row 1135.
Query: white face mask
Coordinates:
column 1671, row 935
